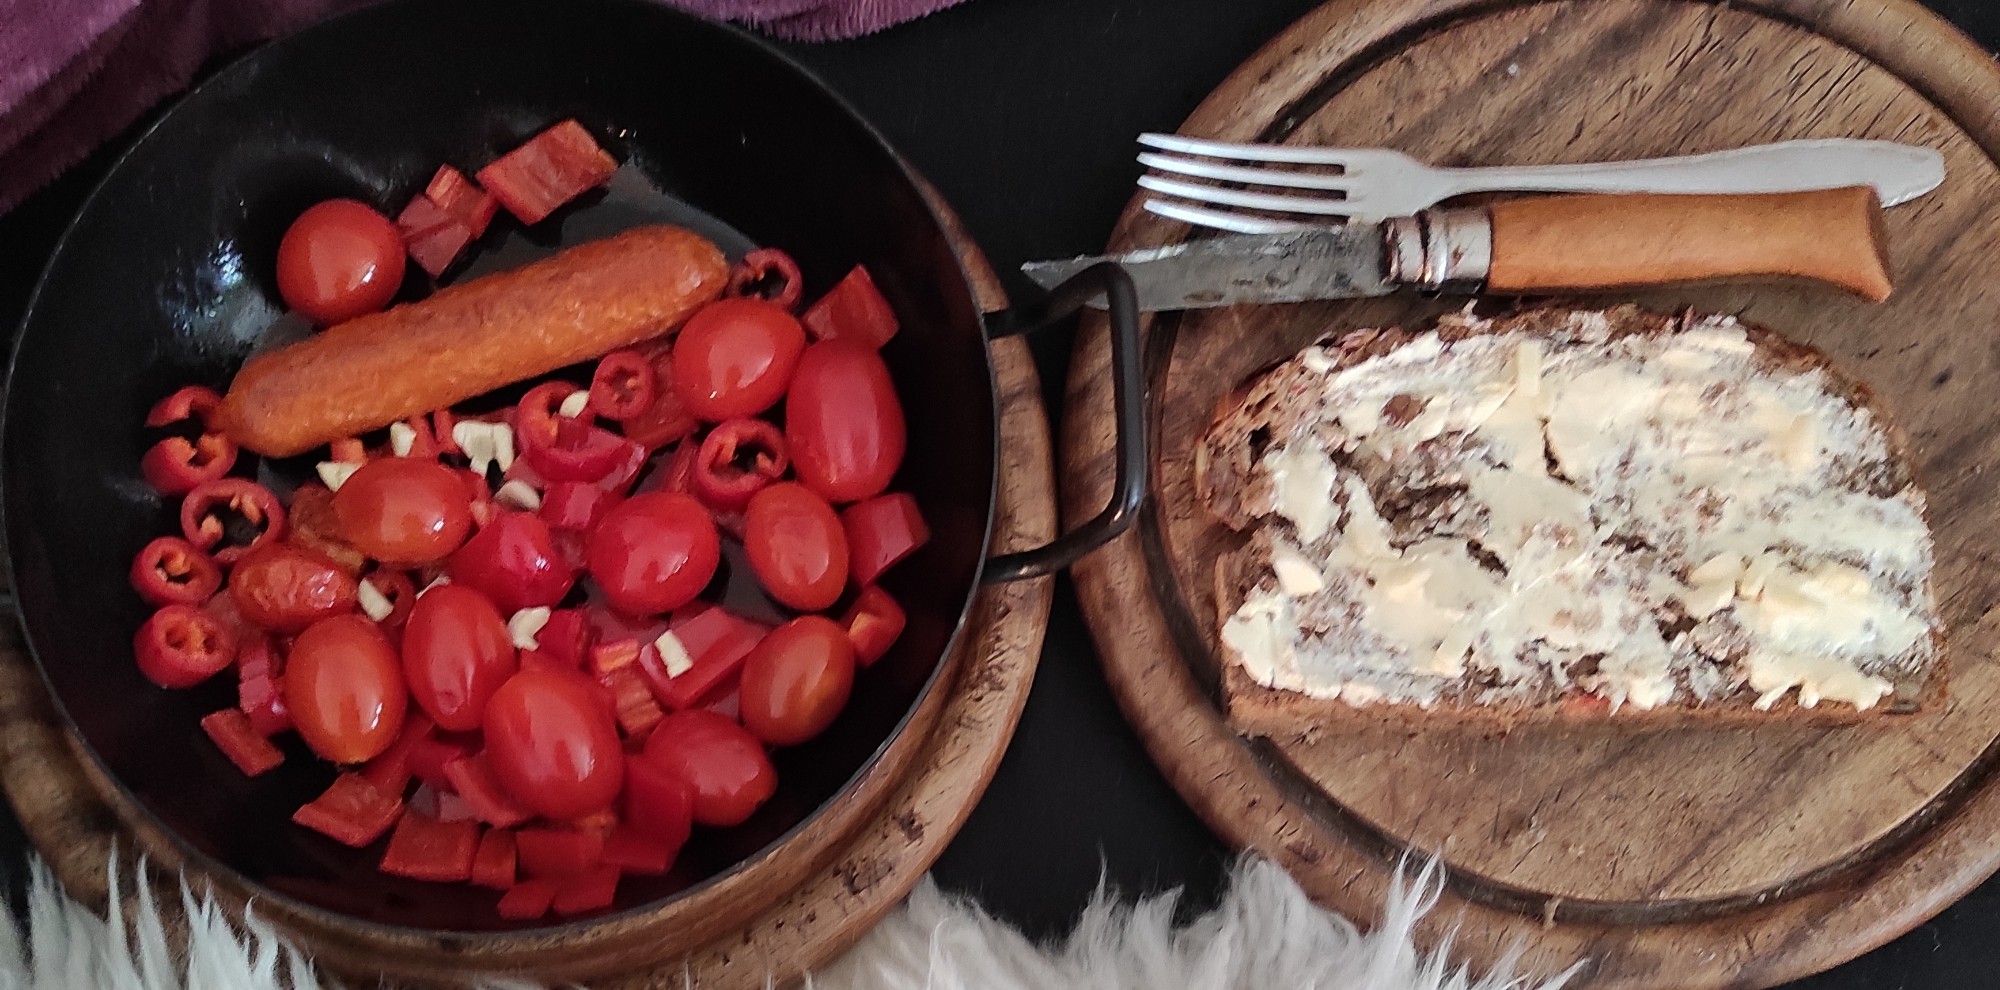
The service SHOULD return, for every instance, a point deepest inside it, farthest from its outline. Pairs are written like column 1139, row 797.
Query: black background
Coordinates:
column 1023, row 112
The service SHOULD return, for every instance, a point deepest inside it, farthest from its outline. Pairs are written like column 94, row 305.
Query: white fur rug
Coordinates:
column 1265, row 933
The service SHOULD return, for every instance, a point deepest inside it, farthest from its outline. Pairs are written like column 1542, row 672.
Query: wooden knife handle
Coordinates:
column 1611, row 241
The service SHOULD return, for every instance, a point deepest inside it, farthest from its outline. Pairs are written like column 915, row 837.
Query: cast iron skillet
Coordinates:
column 165, row 278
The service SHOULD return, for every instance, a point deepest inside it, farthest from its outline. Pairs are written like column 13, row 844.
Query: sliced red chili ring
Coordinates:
column 536, row 415
column 170, row 570
column 666, row 420
column 196, row 402
column 213, row 508
column 677, row 474
column 181, row 646
column 574, row 505
column 579, row 452
column 401, row 592
column 622, row 386
column 175, row 465
column 768, row 274
column 738, row 458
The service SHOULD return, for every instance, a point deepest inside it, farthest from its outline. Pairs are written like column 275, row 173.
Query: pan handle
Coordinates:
column 1128, row 396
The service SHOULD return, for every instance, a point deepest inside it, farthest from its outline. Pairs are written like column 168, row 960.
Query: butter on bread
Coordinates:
column 1561, row 514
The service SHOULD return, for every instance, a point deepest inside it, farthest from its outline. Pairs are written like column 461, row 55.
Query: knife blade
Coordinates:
column 1584, row 242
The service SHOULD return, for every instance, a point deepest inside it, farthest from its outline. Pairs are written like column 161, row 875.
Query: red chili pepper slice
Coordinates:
column 197, row 402
column 433, row 235
column 632, row 700
column 181, row 646
column 874, row 622
column 717, row 641
column 252, row 753
column 595, row 889
column 738, row 458
column 666, row 420
column 347, row 451
column 527, row 900
column 880, row 532
column 564, row 448
column 622, row 386
column 352, row 812
column 620, row 479
column 430, row 756
column 771, row 275
column 424, row 848
column 170, row 571
column 401, row 592
column 390, row 771
column 259, row 690
column 493, row 863
column 443, row 432
column 575, row 506
column 473, row 780
column 551, row 169
column 557, row 853
column 462, row 198
column 852, row 310
column 209, row 510
column 176, row 465
column 565, row 637
column 631, row 852
column 677, row 474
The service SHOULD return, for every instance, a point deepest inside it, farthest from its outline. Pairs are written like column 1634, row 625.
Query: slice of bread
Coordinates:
column 1564, row 514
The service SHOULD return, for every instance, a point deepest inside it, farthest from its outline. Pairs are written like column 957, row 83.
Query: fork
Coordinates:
column 1376, row 183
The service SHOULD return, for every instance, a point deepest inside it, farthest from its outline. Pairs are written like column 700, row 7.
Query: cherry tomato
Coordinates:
column 515, row 562
column 551, row 742
column 403, row 510
column 285, row 589
column 654, row 552
column 731, row 774
column 842, row 421
column 456, row 653
column 735, row 357
column 797, row 680
column 344, row 689
column 338, row 260
column 796, row 545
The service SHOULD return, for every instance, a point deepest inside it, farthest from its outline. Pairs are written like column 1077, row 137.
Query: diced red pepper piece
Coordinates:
column 622, row 386
column 631, row 852
column 558, row 852
column 181, row 646
column 401, row 592
column 462, row 198
column 170, row 571
column 666, row 420
column 429, row 756
column 576, row 506
column 433, row 235
column 676, row 473
column 259, row 691
column 493, row 863
column 592, row 890
column 565, row 637
column 473, row 780
column 452, row 808
column 539, row 661
column 197, row 402
column 716, row 641
column 527, row 900
column 771, row 275
column 551, row 169
column 444, row 428
column 632, row 700
column 252, row 753
column 391, row 770
column 737, row 460
column 352, row 812
column 205, row 510
column 611, row 655
column 852, row 310
column 347, row 451
column 619, row 481
column 881, row 531
column 423, row 848
column 658, row 804
column 175, row 465
column 874, row 622
column 311, row 524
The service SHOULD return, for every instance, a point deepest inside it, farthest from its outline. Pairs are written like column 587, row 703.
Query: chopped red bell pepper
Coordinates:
column 181, row 646
column 658, row 804
column 473, row 780
column 631, row 852
column 175, row 465
column 771, row 275
column 197, row 402
column 170, row 571
column 632, row 700
column 462, row 198
column 433, row 235
column 592, row 890
column 716, row 641
column 493, row 863
column 347, row 451
column 565, row 637
column 612, row 654
column 666, row 420
column 259, row 691
column 423, row 848
column 881, row 531
column 737, row 460
column 311, row 524
column 557, row 852
column 852, row 310
column 576, row 505
column 401, row 592
column 208, row 512
column 622, row 386
column 551, row 169
column 252, row 753
column 352, row 812
column 874, row 622
column 430, row 755
column 527, row 900
column 390, row 770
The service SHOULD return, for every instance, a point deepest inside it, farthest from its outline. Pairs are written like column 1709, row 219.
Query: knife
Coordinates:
column 1539, row 245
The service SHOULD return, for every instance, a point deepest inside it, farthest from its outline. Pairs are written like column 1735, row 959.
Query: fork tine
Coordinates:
column 1219, row 219
column 1246, row 152
column 1237, row 173
column 1316, row 205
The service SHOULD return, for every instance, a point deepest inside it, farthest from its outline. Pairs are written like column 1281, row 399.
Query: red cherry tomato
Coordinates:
column 456, row 653
column 728, row 768
column 842, row 421
column 551, row 742
column 285, row 589
column 735, row 357
column 344, row 689
column 404, row 511
column 796, row 546
column 797, row 680
column 654, row 552
column 514, row 561
column 338, row 260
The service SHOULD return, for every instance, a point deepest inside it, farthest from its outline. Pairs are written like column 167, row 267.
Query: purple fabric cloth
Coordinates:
column 75, row 72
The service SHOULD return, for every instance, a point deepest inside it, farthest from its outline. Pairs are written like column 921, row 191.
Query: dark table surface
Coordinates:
column 1022, row 112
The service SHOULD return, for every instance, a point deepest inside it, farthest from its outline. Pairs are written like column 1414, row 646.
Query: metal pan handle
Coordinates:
column 1128, row 396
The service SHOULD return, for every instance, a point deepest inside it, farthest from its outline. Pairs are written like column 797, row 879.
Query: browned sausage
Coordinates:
column 472, row 338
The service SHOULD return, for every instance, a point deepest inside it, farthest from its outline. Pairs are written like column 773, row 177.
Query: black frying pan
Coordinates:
column 166, row 278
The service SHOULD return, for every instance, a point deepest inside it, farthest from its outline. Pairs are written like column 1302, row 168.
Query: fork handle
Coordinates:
column 1612, row 241
column 1897, row 171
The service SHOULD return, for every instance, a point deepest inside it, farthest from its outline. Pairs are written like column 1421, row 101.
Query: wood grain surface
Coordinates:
column 1677, row 858
column 794, row 909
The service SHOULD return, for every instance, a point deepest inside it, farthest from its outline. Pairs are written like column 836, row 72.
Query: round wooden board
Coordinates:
column 802, row 913
column 1679, row 858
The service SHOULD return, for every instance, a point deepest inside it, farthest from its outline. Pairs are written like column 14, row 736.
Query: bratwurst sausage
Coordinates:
column 470, row 339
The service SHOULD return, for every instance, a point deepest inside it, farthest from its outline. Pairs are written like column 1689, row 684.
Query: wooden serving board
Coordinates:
column 1679, row 858
column 802, row 912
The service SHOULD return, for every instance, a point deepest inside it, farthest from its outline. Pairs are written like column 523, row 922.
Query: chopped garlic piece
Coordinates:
column 336, row 473
column 574, row 404
column 503, row 446
column 526, row 624
column 673, row 654
column 373, row 603
column 402, row 439
column 519, row 495
column 485, row 444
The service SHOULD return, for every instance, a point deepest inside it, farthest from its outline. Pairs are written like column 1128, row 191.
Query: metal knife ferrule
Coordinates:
column 1449, row 250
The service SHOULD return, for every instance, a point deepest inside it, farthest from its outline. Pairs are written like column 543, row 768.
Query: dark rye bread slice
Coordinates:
column 1274, row 404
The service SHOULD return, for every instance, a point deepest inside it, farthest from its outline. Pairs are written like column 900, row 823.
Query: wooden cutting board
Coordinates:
column 1677, row 858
